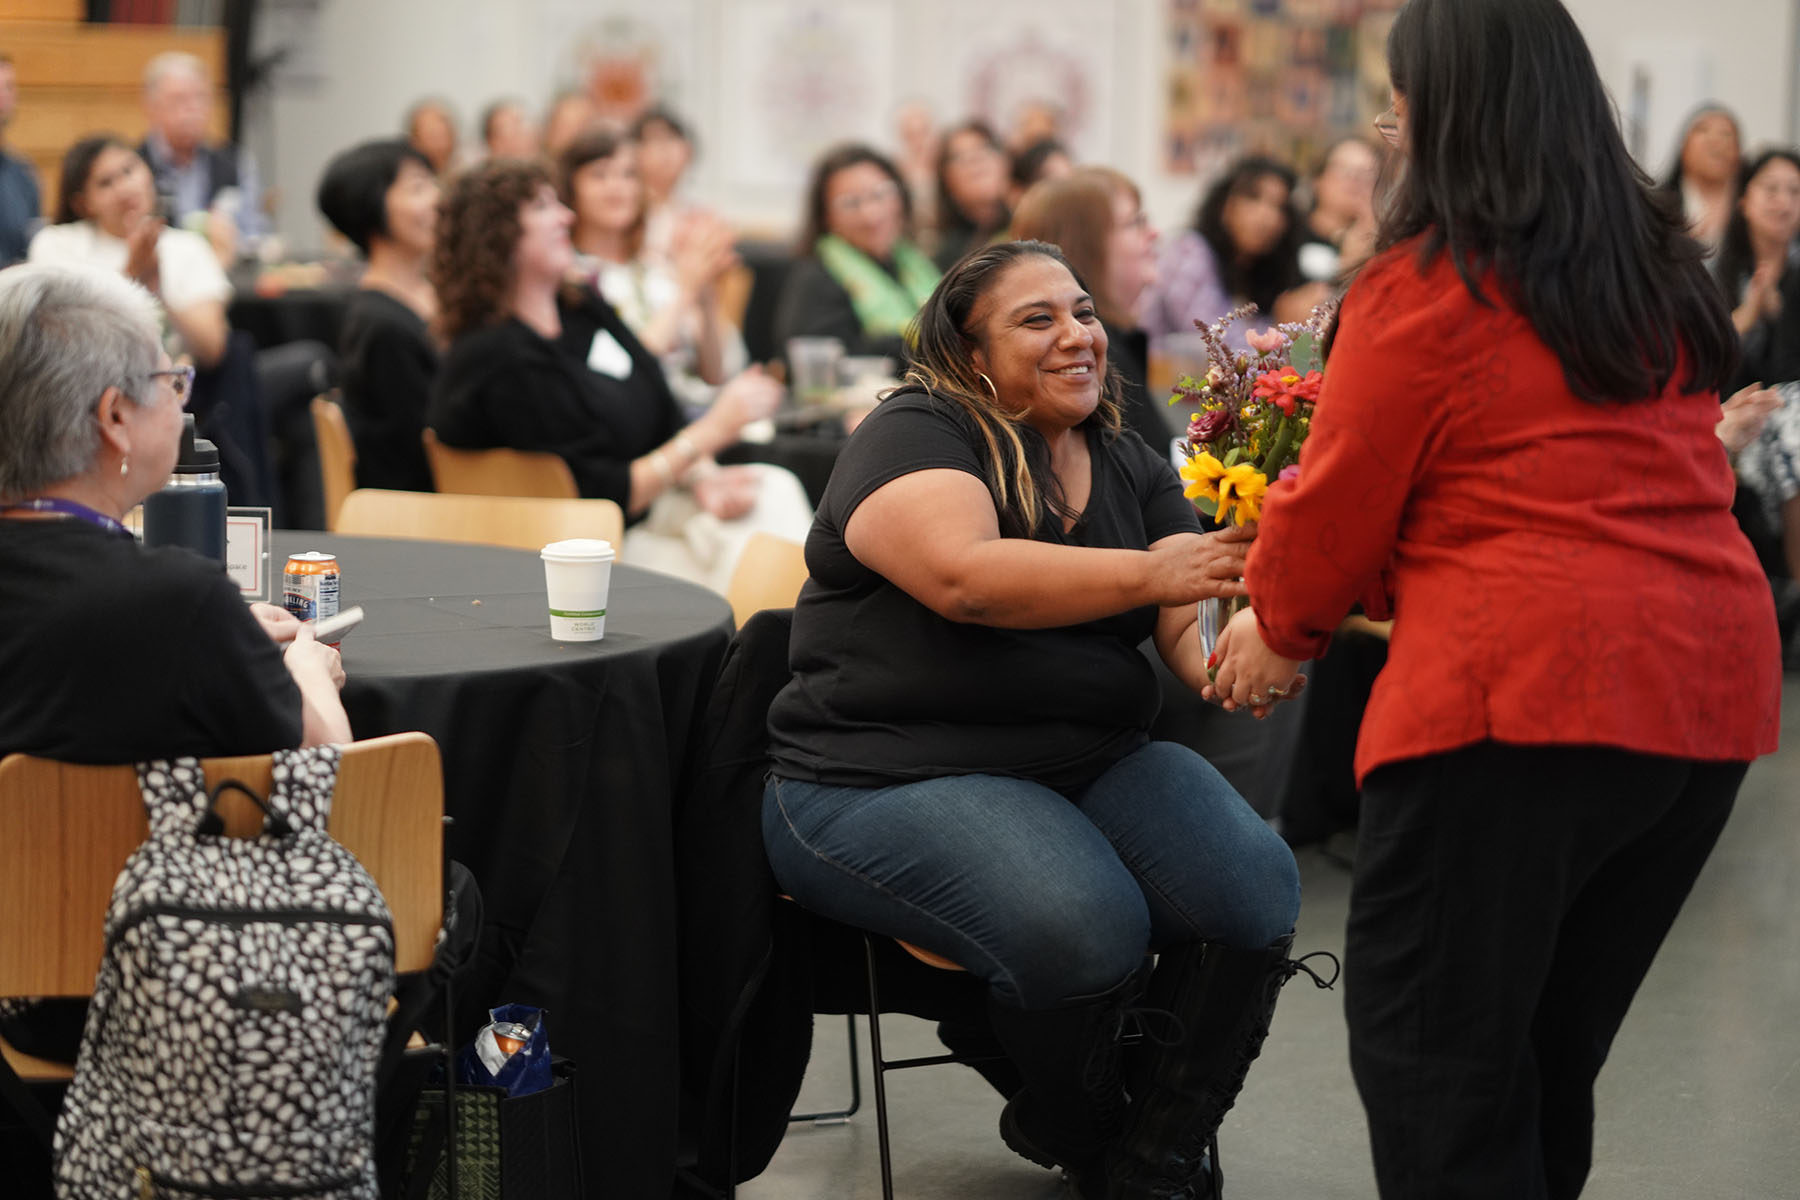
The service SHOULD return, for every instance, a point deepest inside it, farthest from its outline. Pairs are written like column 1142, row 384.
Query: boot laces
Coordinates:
column 1298, row 966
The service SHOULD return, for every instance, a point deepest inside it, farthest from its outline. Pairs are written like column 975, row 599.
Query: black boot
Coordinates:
column 974, row 1039
column 1224, row 999
column 1073, row 1102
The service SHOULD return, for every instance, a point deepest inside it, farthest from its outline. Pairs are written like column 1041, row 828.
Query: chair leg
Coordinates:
column 840, row 1116
column 880, row 1070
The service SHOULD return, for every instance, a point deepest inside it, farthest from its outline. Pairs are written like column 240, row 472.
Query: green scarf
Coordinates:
column 883, row 304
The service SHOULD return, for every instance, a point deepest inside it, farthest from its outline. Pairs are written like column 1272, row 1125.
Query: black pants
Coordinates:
column 1508, row 901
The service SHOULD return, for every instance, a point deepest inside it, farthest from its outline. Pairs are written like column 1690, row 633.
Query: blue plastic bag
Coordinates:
column 486, row 1063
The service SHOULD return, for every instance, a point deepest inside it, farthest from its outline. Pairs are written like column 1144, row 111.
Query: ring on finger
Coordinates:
column 1256, row 699
column 1277, row 692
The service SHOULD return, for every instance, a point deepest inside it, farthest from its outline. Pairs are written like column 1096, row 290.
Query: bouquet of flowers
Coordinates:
column 1249, row 416
column 1250, row 413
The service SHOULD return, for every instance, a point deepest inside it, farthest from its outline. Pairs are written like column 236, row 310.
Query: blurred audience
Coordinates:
column 210, row 187
column 973, row 173
column 383, row 196
column 665, row 152
column 20, row 205
column 507, row 130
column 1045, row 158
column 915, row 131
column 1759, row 268
column 536, row 365
column 1243, row 249
column 1708, row 157
column 1095, row 215
column 859, row 277
column 432, row 129
column 107, row 218
column 1339, row 234
column 570, row 115
column 672, row 306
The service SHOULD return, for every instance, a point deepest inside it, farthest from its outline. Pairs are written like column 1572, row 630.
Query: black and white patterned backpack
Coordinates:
column 232, row 1042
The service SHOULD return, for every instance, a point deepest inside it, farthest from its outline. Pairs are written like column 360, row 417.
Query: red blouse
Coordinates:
column 1559, row 572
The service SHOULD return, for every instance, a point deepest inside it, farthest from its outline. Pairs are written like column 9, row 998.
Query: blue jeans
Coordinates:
column 1046, row 897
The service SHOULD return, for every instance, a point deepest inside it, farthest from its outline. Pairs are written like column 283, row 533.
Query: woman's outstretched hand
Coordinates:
column 1250, row 675
column 1191, row 568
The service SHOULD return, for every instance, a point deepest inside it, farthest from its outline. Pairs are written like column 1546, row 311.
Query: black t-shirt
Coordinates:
column 112, row 653
column 885, row 690
column 593, row 395
column 388, row 363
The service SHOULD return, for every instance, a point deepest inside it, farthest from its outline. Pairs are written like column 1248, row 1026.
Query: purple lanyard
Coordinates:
column 68, row 508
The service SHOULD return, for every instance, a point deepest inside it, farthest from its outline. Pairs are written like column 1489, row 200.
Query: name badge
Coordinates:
column 607, row 357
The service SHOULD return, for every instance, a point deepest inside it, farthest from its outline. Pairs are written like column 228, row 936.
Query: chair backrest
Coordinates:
column 498, row 472
column 524, row 522
column 768, row 575
column 337, row 455
column 66, row 831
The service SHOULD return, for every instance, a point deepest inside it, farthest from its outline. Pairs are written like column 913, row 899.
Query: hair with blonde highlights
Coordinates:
column 1017, row 458
column 478, row 231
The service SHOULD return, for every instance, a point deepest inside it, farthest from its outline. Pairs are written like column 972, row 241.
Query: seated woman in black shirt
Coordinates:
column 383, row 196
column 1095, row 215
column 961, row 757
column 537, row 362
column 859, row 277
column 113, row 653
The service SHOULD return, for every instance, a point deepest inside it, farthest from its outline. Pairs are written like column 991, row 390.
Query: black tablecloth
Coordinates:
column 561, row 764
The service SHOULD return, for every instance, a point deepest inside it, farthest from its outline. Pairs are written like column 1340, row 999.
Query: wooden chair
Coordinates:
column 498, row 472
column 66, row 831
column 768, row 575
column 524, row 522
column 337, row 455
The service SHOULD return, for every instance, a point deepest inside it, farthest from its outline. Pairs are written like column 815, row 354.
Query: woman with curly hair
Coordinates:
column 537, row 365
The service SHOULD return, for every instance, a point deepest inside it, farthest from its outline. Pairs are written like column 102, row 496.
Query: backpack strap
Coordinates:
column 302, row 785
column 174, row 796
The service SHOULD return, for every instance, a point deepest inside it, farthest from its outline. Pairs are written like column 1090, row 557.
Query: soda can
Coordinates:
column 309, row 585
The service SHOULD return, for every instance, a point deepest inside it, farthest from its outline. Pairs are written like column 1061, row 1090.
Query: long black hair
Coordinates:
column 816, row 220
column 1263, row 278
column 1737, row 257
column 1516, row 165
column 1676, row 174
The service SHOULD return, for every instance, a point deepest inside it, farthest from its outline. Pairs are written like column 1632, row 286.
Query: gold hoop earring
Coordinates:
column 992, row 390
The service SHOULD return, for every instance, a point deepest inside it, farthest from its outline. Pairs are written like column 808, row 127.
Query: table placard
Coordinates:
column 247, row 552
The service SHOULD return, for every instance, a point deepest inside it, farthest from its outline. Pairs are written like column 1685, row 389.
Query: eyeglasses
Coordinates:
column 884, row 194
column 181, row 380
column 1388, row 126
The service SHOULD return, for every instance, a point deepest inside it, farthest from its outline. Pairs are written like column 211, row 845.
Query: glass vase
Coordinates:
column 1215, row 613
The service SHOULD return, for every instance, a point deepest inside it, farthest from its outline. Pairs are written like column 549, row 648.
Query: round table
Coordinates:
column 562, row 762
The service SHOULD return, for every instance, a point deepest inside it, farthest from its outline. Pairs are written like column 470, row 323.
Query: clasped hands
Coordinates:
column 1249, row 674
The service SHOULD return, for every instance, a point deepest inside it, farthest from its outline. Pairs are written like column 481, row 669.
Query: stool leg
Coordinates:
column 880, row 1068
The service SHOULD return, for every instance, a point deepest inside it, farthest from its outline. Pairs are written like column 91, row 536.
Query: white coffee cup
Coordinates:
column 577, row 576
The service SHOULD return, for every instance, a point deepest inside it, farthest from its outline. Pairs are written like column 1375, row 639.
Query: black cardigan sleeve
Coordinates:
column 813, row 304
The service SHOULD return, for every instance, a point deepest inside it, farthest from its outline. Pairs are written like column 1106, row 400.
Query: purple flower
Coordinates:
column 1288, row 473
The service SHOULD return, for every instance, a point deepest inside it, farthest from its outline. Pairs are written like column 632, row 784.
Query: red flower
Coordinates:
column 1286, row 388
column 1210, row 424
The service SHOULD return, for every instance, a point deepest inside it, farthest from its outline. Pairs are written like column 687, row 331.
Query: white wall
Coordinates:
column 370, row 58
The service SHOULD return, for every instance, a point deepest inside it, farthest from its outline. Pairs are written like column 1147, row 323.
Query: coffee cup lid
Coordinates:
column 578, row 550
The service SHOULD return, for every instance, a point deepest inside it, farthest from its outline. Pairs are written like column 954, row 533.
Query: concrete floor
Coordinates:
column 1701, row 1098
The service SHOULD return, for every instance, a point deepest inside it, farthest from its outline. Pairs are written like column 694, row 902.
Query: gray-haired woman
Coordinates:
column 113, row 652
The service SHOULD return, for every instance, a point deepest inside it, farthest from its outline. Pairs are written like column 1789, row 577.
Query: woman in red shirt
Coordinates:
column 1514, row 451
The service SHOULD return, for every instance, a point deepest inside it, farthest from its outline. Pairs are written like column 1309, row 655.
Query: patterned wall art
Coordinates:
column 1279, row 77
